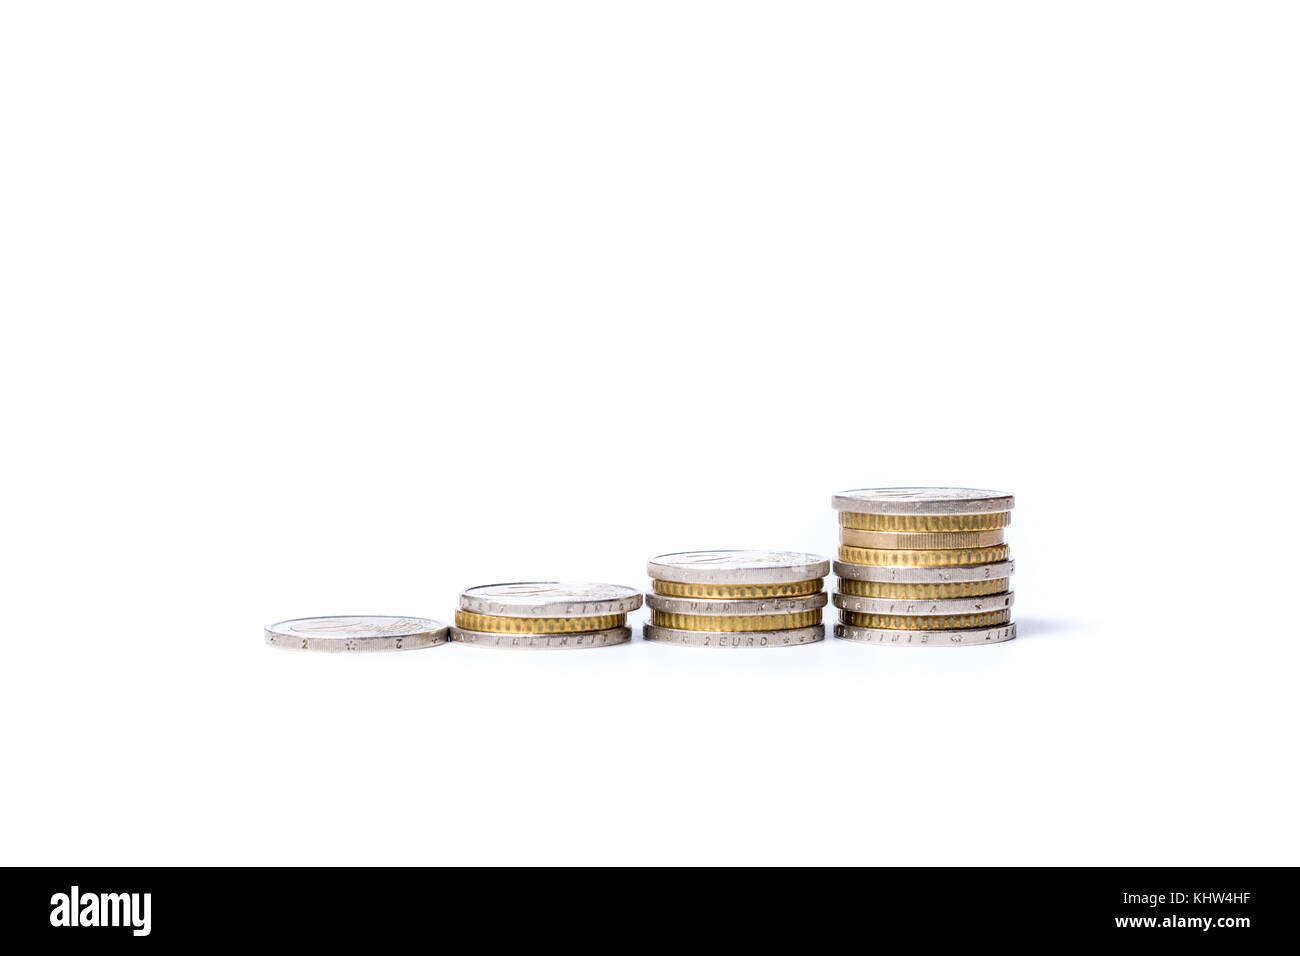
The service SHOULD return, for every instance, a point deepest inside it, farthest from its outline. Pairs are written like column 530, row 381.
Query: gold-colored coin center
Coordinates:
column 924, row 523
column 921, row 592
column 472, row 621
column 921, row 622
column 920, row 541
column 737, row 592
column 719, row 622
column 960, row 557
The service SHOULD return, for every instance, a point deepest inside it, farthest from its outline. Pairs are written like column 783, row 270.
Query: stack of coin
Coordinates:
column 545, row 615
column 924, row 567
column 737, row 598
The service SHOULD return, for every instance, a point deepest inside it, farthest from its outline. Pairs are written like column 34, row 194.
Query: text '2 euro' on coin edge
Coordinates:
column 797, row 637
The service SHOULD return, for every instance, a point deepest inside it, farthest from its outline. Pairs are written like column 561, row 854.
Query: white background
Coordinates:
column 328, row 308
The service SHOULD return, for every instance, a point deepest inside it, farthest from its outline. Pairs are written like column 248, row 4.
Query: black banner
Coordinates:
column 131, row 908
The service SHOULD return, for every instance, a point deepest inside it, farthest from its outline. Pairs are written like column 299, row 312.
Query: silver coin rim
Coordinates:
column 937, row 607
column 885, row 575
column 857, row 635
column 739, row 607
column 817, row 631
column 588, row 607
column 621, row 634
column 415, row 640
column 782, row 574
column 991, row 502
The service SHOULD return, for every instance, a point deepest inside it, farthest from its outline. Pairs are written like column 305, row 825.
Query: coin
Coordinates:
column 923, row 501
column 684, row 638
column 974, row 572
column 718, row 622
column 924, row 559
column 924, row 523
column 898, row 638
column 736, row 592
column 356, row 633
column 947, row 622
column 968, row 605
column 922, row 541
column 542, row 642
column 550, row 599
column 738, row 567
column 471, row 621
column 749, row 608
column 923, row 592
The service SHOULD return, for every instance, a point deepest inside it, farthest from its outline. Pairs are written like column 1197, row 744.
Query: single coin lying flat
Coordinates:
column 353, row 633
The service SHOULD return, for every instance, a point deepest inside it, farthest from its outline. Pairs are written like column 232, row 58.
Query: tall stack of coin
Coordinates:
column 737, row 598
column 545, row 615
column 924, row 567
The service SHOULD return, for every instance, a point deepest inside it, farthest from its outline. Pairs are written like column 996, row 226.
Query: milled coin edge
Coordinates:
column 902, row 575
column 578, row 641
column 738, row 607
column 933, row 607
column 889, row 637
column 732, row 640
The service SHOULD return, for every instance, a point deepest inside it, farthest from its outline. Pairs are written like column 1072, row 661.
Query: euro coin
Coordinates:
column 736, row 592
column 738, row 567
column 720, row 622
column 471, row 621
column 921, row 541
column 945, row 606
column 923, row 592
column 542, row 642
column 902, row 622
column 734, row 639
column 924, row 559
column 550, row 599
column 924, row 524
column 899, row 575
column 354, row 633
column 750, row 608
column 923, row 501
column 966, row 637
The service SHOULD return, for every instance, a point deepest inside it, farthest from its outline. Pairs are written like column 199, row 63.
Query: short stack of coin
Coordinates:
column 924, row 567
column 737, row 598
column 545, row 615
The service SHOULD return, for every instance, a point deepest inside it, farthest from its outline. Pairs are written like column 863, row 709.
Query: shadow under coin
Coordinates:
column 1034, row 627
